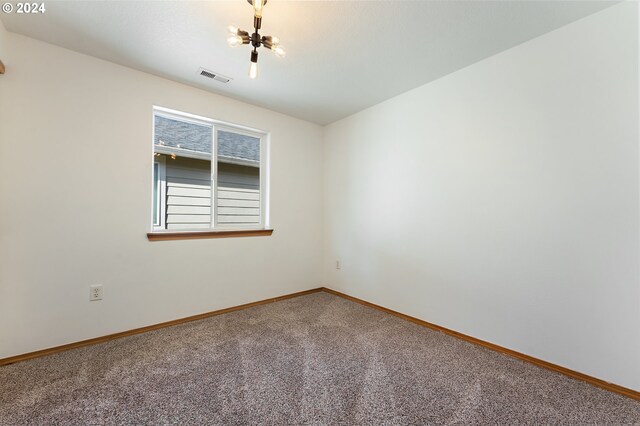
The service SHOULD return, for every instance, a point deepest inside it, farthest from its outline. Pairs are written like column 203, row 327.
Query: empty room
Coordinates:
column 280, row 212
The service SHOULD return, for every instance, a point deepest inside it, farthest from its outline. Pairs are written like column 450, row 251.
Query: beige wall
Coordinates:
column 501, row 201
column 3, row 42
column 75, row 133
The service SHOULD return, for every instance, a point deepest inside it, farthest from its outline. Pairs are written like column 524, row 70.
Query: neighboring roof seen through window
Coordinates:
column 185, row 138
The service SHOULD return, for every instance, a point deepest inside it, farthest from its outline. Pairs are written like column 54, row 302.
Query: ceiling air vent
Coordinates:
column 214, row 75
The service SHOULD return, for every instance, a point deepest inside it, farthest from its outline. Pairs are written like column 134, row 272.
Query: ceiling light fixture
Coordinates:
column 238, row 37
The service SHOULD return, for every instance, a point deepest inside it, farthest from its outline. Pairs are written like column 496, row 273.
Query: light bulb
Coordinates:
column 234, row 41
column 253, row 70
column 233, row 29
column 257, row 7
column 279, row 51
column 275, row 40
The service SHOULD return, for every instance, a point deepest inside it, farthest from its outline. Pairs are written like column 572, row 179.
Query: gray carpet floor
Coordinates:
column 316, row 359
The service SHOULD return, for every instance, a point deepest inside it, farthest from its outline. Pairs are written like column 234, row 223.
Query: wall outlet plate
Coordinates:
column 95, row 292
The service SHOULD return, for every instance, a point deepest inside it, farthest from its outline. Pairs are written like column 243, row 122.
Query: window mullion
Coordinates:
column 214, row 178
column 162, row 192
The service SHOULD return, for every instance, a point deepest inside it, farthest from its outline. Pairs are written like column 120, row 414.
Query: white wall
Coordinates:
column 3, row 41
column 75, row 202
column 502, row 201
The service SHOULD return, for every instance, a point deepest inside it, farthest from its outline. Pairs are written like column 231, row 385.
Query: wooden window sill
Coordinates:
column 192, row 235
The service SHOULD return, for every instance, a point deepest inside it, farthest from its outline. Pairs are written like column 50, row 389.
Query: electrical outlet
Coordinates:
column 337, row 264
column 95, row 292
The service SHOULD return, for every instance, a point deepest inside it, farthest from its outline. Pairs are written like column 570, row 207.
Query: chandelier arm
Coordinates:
column 266, row 42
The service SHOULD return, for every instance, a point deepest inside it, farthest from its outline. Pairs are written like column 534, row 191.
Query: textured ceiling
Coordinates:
column 342, row 56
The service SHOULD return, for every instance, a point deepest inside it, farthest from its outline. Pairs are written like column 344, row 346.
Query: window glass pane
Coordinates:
column 156, row 188
column 238, row 179
column 186, row 150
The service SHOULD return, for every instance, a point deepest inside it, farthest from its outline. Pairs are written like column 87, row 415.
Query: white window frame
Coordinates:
column 215, row 125
column 161, row 182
